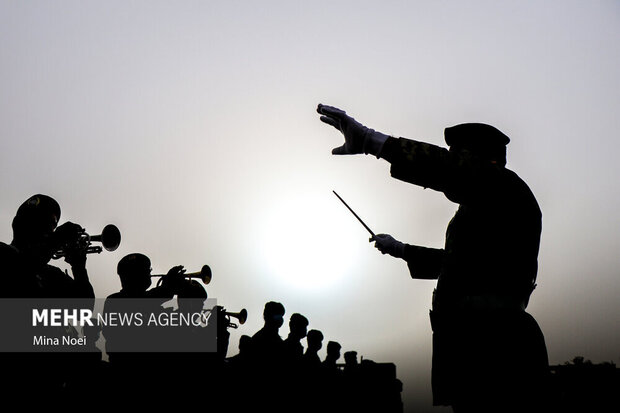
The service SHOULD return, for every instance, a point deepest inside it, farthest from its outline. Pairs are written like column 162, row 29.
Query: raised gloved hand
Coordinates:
column 357, row 137
column 387, row 244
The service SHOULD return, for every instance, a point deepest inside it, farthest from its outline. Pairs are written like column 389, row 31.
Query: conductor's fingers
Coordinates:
column 341, row 150
column 331, row 121
column 330, row 110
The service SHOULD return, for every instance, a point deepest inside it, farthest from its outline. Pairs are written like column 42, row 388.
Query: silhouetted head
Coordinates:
column 191, row 296
column 34, row 225
column 350, row 358
column 135, row 272
column 191, row 289
column 484, row 141
column 273, row 314
column 315, row 340
column 298, row 325
column 333, row 350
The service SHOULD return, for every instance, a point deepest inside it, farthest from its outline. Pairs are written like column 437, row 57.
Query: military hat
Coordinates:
column 133, row 262
column 334, row 345
column 315, row 334
column 299, row 319
column 38, row 211
column 484, row 140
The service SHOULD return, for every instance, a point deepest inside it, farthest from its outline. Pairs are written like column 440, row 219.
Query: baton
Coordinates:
column 353, row 212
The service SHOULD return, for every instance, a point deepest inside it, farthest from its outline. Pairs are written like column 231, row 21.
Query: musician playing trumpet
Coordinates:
column 134, row 271
column 131, row 362
column 26, row 273
column 25, row 262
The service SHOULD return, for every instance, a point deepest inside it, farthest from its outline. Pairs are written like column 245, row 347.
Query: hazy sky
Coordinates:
column 191, row 125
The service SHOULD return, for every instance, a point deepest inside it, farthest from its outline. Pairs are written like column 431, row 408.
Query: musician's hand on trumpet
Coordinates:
column 223, row 317
column 174, row 278
column 67, row 237
column 71, row 240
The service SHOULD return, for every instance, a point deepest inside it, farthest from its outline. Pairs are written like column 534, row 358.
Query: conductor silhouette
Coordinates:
column 489, row 354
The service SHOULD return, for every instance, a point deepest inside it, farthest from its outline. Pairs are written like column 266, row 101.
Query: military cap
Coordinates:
column 299, row 319
column 333, row 345
column 37, row 211
column 315, row 335
column 484, row 140
column 351, row 356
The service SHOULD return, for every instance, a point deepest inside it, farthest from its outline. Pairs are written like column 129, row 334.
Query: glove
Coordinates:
column 69, row 237
column 357, row 137
column 388, row 245
column 173, row 280
column 67, row 233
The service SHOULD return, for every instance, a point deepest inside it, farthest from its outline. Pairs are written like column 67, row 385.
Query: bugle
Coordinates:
column 203, row 275
column 110, row 239
column 241, row 316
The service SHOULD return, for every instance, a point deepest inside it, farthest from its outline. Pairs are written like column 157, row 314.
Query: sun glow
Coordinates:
column 305, row 243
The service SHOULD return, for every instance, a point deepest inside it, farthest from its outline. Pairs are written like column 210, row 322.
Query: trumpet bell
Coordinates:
column 205, row 274
column 110, row 237
column 241, row 316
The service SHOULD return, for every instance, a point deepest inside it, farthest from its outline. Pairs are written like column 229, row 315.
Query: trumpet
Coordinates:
column 110, row 239
column 203, row 275
column 241, row 316
column 220, row 312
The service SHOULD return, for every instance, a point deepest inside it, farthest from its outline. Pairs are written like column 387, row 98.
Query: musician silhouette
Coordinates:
column 488, row 352
column 25, row 272
column 311, row 357
column 353, row 392
column 293, row 349
column 267, row 370
column 241, row 359
column 199, row 343
column 333, row 354
column 350, row 363
column 267, row 345
column 134, row 271
column 331, row 379
column 133, row 362
column 201, row 335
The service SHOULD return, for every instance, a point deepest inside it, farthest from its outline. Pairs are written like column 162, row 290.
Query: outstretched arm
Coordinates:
column 460, row 176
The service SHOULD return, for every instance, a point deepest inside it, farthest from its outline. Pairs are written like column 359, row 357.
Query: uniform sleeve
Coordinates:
column 60, row 284
column 81, row 286
column 423, row 263
column 460, row 177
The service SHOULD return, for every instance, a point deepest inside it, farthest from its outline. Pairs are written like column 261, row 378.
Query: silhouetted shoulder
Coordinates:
column 7, row 250
column 516, row 188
